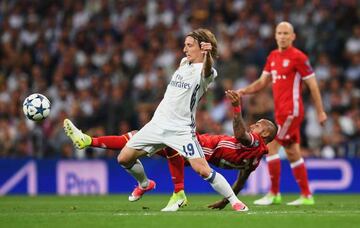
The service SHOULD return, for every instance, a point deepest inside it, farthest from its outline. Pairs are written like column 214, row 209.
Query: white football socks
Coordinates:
column 220, row 185
column 138, row 172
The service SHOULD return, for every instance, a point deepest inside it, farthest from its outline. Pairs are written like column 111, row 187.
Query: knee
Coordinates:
column 123, row 159
column 120, row 159
column 293, row 155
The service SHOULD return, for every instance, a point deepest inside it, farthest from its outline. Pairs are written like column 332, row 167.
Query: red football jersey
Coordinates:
column 228, row 153
column 288, row 68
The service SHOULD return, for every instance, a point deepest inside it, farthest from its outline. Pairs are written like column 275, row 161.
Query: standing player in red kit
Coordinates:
column 243, row 151
column 287, row 67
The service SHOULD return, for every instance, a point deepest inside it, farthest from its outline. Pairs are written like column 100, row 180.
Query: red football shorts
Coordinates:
column 289, row 129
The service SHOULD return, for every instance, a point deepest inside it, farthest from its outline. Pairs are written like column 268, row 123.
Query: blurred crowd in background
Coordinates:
column 105, row 65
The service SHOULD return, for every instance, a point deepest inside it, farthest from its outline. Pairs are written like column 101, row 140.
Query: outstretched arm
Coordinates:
column 239, row 126
column 208, row 59
column 256, row 86
column 237, row 186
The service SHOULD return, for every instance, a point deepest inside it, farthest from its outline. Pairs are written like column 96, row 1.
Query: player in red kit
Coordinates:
column 287, row 68
column 243, row 151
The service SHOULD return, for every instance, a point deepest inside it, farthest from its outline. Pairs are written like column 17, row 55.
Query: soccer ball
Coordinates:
column 36, row 107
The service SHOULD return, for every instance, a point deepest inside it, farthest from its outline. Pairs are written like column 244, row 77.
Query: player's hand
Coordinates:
column 205, row 47
column 241, row 92
column 322, row 117
column 234, row 97
column 219, row 204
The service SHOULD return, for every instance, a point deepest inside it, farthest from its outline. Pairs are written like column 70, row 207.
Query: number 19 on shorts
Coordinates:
column 189, row 149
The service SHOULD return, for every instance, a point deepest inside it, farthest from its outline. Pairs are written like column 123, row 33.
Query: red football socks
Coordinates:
column 300, row 174
column 176, row 167
column 175, row 161
column 274, row 166
column 110, row 142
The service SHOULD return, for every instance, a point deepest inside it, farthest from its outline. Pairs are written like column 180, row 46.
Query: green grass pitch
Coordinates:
column 115, row 211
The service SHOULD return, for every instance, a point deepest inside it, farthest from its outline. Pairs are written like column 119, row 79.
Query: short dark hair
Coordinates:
column 205, row 35
column 273, row 129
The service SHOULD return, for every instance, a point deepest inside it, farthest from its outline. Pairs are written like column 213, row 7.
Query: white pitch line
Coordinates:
column 309, row 213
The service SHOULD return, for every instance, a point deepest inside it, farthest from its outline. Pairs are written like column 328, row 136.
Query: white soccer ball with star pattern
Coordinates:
column 36, row 107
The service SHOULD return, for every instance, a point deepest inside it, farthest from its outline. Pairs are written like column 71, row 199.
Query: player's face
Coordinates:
column 284, row 36
column 192, row 50
column 259, row 127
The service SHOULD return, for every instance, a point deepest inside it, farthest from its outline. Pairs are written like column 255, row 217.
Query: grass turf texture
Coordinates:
column 117, row 211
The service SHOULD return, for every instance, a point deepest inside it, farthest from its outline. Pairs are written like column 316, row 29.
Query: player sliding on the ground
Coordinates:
column 243, row 151
column 174, row 121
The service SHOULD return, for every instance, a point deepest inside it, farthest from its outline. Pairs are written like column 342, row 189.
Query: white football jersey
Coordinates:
column 177, row 109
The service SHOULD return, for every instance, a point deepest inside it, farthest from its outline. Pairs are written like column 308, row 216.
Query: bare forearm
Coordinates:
column 315, row 94
column 239, row 128
column 208, row 63
column 253, row 88
column 258, row 85
column 238, row 186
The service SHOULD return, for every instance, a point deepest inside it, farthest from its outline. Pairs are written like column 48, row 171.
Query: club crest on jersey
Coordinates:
column 286, row 63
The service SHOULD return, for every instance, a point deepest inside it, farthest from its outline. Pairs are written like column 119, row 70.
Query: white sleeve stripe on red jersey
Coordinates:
column 252, row 139
column 208, row 151
column 233, row 145
column 223, row 144
column 308, row 76
column 296, row 94
column 228, row 144
column 285, row 127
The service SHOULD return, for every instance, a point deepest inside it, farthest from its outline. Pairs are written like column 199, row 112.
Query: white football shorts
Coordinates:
column 152, row 138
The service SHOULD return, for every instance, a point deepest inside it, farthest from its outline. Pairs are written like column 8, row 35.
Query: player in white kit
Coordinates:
column 173, row 123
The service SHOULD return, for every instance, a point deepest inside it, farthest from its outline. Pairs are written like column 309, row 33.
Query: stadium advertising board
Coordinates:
column 71, row 177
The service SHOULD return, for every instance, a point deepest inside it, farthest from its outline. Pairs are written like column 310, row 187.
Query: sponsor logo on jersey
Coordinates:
column 276, row 77
column 177, row 82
